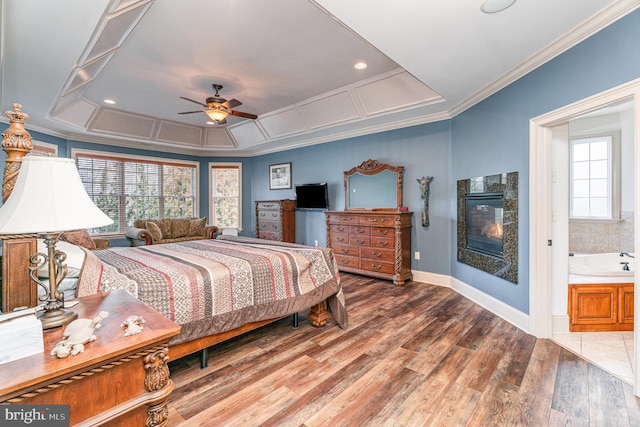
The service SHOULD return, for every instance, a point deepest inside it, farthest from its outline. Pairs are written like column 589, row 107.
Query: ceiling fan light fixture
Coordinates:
column 495, row 6
column 217, row 114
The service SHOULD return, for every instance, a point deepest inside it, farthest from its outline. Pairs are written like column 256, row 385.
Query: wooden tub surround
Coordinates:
column 596, row 307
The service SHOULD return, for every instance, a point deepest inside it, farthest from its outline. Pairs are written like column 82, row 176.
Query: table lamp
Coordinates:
column 49, row 198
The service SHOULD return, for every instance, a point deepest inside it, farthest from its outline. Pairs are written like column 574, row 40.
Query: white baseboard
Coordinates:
column 497, row 307
column 560, row 323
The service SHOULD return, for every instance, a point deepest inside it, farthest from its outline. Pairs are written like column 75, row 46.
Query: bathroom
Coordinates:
column 599, row 216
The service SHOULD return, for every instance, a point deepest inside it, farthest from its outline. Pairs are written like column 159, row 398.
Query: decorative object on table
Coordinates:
column 77, row 334
column 20, row 335
column 425, row 184
column 49, row 198
column 132, row 325
column 280, row 176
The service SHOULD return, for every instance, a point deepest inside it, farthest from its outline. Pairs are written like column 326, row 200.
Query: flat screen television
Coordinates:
column 312, row 196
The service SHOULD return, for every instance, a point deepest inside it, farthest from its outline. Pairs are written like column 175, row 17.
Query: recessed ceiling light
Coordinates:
column 109, row 101
column 360, row 66
column 495, row 6
column 211, row 122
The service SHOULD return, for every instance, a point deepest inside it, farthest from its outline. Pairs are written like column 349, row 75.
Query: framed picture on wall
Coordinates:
column 280, row 176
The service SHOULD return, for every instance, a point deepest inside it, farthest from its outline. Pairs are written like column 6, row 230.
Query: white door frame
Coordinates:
column 540, row 316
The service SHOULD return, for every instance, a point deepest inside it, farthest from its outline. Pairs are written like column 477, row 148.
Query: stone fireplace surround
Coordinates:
column 505, row 267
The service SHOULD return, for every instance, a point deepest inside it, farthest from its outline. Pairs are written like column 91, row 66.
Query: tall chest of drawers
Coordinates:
column 376, row 243
column 276, row 220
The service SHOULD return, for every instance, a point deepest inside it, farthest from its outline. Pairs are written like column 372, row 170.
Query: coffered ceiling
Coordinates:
column 290, row 62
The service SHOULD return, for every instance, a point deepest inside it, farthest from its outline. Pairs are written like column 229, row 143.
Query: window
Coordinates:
column 226, row 195
column 135, row 187
column 44, row 149
column 594, row 178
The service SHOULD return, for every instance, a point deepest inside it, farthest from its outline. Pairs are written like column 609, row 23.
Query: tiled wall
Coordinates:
column 596, row 237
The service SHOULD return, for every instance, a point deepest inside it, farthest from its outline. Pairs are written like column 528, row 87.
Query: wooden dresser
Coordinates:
column 372, row 243
column 116, row 381
column 276, row 220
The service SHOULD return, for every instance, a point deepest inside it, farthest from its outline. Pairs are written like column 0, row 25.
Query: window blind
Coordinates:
column 130, row 189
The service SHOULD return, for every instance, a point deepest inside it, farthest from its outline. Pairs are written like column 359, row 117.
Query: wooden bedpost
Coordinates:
column 16, row 142
column 17, row 289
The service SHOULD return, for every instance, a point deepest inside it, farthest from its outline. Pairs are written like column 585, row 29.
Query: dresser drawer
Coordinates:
column 343, row 219
column 346, row 250
column 382, row 232
column 268, row 235
column 388, row 221
column 339, row 239
column 267, row 206
column 383, row 255
column 359, row 240
column 383, row 242
column 339, row 229
column 360, row 230
column 268, row 215
column 347, row 261
column 378, row 267
column 269, row 226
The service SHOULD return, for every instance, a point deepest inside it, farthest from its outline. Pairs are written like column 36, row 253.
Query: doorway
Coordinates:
column 598, row 230
column 542, row 241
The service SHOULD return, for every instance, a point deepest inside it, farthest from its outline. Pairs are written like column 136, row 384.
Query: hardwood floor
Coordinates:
column 418, row 355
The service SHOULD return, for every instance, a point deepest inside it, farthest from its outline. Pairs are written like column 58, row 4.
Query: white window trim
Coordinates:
column 615, row 176
column 211, row 208
column 45, row 147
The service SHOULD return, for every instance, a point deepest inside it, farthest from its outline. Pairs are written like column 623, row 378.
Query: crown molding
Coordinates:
column 602, row 20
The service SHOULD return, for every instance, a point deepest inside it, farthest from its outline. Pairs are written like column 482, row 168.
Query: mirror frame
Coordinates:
column 373, row 167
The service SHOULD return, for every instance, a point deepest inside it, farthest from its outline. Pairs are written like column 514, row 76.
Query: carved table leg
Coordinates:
column 157, row 378
column 319, row 314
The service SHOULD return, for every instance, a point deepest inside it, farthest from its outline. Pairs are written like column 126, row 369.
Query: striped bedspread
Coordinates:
column 211, row 286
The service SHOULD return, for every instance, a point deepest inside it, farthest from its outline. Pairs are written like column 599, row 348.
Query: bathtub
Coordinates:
column 600, row 268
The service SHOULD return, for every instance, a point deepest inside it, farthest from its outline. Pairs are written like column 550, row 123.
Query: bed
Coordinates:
column 220, row 288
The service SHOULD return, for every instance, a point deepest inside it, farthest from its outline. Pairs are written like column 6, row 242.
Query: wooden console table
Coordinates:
column 116, row 381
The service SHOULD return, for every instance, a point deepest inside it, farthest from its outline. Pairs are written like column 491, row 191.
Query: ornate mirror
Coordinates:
column 373, row 186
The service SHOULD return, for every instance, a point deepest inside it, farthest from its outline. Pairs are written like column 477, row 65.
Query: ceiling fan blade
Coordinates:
column 232, row 103
column 197, row 102
column 191, row 112
column 245, row 115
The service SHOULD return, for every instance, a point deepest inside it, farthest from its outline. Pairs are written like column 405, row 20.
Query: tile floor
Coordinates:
column 612, row 351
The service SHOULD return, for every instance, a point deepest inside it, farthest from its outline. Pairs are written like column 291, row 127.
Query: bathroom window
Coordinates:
column 594, row 178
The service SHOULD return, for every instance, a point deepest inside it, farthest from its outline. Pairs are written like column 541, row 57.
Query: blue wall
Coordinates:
column 423, row 150
column 491, row 137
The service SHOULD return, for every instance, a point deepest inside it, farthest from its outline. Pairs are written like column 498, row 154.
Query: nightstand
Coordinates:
column 117, row 380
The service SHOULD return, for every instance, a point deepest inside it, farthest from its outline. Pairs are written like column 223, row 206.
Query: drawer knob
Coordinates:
column 383, row 232
column 344, row 251
column 359, row 241
column 377, row 255
column 381, row 243
column 376, row 266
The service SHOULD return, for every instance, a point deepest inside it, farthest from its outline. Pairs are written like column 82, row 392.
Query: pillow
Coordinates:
column 74, row 261
column 154, row 230
column 79, row 238
column 180, row 228
column 197, row 227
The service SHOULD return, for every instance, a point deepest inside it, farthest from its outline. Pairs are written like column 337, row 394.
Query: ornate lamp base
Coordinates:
column 58, row 317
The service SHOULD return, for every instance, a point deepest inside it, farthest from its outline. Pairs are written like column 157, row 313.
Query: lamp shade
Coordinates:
column 49, row 197
column 217, row 114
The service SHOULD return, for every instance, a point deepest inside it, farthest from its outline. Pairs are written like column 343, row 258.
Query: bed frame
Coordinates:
column 17, row 290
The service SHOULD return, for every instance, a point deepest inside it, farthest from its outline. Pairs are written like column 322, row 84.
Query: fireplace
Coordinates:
column 484, row 223
column 487, row 224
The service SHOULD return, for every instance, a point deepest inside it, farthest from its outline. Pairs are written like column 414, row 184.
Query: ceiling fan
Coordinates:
column 218, row 108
